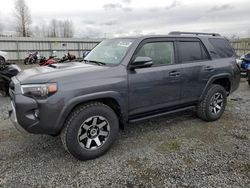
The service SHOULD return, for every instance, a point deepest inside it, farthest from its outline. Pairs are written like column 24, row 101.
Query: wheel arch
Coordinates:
column 223, row 79
column 111, row 99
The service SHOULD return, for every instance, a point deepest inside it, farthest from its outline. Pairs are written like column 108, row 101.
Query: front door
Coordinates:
column 157, row 86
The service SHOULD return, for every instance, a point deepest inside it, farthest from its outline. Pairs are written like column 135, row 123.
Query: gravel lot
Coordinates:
column 173, row 151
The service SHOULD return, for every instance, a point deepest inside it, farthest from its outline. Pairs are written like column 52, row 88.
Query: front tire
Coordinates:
column 90, row 130
column 213, row 105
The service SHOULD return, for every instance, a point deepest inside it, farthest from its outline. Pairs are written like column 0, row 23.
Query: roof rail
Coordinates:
column 192, row 33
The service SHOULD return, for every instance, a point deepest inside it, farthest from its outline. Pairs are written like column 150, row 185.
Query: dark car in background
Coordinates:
column 244, row 64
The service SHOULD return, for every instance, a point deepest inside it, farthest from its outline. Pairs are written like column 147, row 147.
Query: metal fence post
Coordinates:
column 78, row 47
column 18, row 52
column 50, row 47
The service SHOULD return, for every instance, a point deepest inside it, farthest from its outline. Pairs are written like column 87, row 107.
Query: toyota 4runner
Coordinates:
column 124, row 80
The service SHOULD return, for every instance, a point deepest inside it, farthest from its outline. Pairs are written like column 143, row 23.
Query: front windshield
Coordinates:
column 109, row 51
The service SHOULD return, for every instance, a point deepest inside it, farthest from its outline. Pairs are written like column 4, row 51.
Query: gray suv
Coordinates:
column 124, row 80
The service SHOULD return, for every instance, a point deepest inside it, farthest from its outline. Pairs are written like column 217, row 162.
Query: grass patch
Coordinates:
column 145, row 174
column 240, row 136
column 188, row 161
column 135, row 163
column 168, row 146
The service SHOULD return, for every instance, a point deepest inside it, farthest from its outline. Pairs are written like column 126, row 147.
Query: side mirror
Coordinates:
column 141, row 62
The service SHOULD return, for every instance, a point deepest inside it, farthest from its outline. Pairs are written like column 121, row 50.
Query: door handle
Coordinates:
column 209, row 68
column 174, row 74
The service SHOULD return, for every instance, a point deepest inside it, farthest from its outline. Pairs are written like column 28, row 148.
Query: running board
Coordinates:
column 160, row 114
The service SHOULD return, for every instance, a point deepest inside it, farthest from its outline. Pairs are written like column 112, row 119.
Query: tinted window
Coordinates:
column 192, row 51
column 160, row 52
column 222, row 47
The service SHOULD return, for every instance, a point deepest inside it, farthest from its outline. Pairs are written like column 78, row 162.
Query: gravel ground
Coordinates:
column 173, row 151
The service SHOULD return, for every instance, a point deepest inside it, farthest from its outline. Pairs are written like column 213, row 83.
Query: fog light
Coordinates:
column 36, row 113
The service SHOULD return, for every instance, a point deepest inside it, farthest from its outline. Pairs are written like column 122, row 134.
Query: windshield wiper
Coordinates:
column 96, row 62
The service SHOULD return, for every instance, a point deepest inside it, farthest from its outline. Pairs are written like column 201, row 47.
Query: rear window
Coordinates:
column 222, row 47
column 192, row 51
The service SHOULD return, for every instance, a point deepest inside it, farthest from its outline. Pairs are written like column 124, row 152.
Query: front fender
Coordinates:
column 71, row 104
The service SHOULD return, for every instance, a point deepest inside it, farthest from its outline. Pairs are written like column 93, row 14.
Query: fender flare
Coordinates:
column 71, row 104
column 212, row 79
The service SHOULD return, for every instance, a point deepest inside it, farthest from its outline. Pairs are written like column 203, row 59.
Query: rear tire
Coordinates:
column 213, row 104
column 90, row 130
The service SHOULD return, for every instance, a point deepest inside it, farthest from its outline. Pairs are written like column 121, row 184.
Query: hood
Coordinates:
column 56, row 72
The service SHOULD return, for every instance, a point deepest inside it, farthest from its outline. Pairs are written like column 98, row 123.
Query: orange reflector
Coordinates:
column 52, row 88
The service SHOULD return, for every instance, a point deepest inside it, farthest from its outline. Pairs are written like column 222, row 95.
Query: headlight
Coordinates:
column 39, row 90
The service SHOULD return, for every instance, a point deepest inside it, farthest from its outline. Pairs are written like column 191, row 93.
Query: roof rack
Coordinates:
column 192, row 33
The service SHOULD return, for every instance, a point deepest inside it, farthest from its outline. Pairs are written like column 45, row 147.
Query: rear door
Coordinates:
column 197, row 67
column 158, row 86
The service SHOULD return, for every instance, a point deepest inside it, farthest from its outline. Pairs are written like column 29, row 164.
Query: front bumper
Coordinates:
column 32, row 115
column 22, row 113
column 13, row 118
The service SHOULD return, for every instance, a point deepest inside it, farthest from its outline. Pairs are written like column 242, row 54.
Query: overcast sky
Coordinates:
column 111, row 18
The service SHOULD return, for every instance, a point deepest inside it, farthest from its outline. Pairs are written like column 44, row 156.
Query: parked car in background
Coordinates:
column 244, row 64
column 3, row 57
column 7, row 71
column 125, row 80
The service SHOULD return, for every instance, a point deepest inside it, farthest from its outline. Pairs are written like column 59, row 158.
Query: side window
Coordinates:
column 162, row 53
column 222, row 47
column 192, row 51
